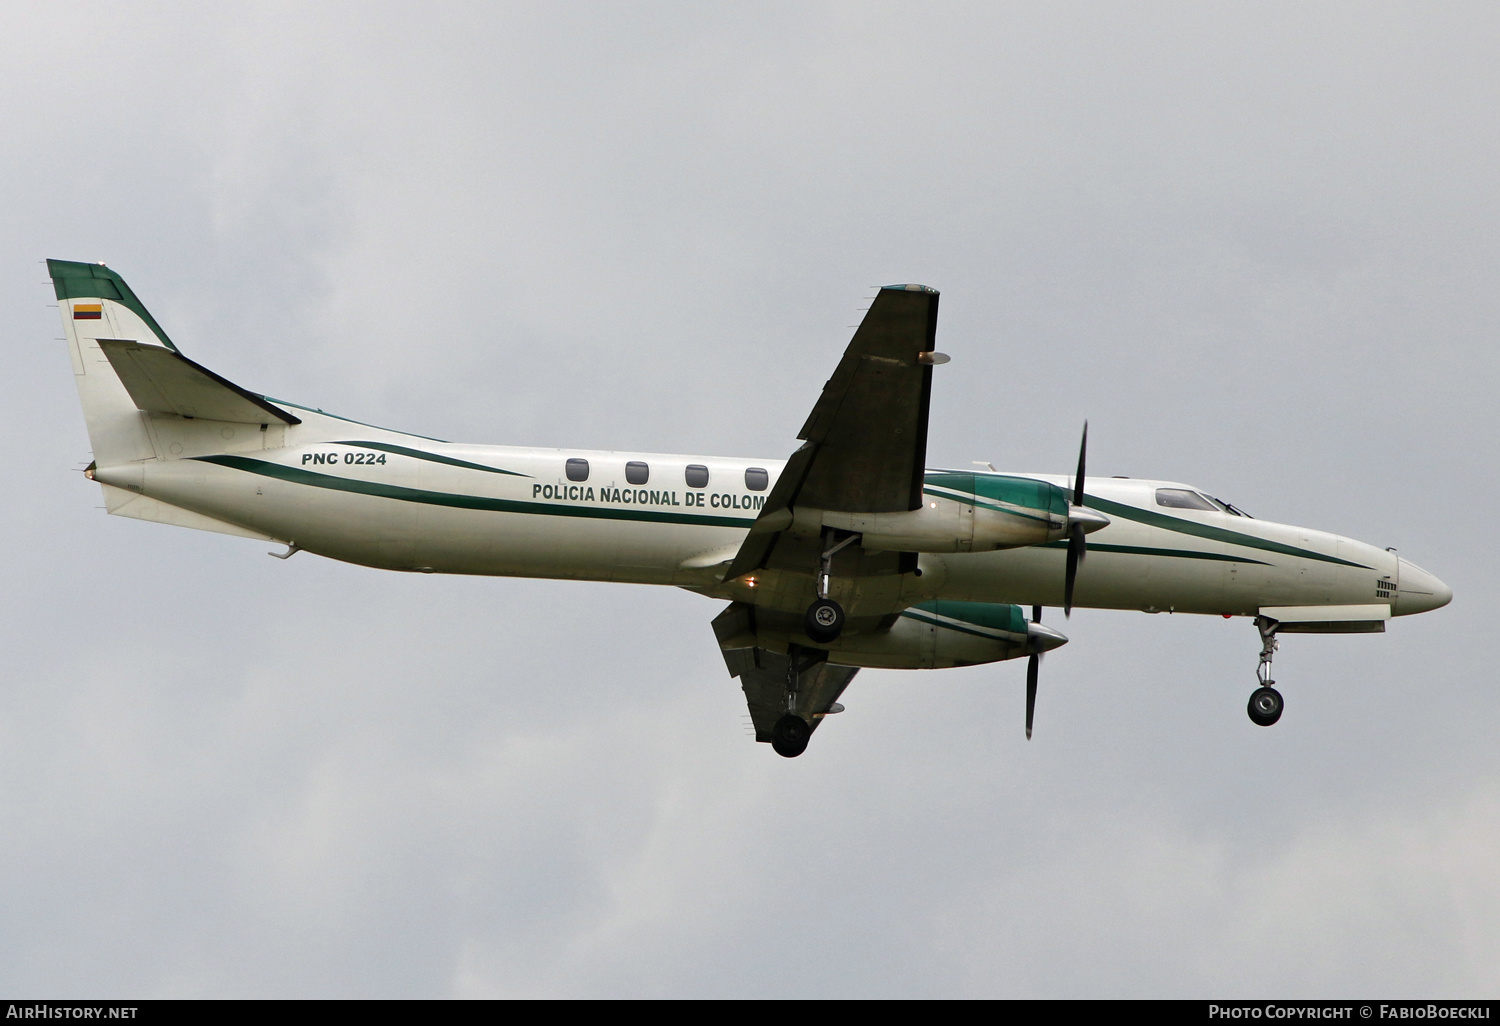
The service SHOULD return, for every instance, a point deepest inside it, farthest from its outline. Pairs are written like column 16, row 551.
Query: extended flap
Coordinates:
column 162, row 381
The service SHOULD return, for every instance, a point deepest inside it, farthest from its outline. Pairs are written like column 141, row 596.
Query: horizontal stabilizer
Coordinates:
column 124, row 503
column 160, row 380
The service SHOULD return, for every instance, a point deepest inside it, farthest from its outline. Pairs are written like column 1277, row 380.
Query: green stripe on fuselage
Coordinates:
column 296, row 475
column 1147, row 550
column 431, row 457
column 1153, row 519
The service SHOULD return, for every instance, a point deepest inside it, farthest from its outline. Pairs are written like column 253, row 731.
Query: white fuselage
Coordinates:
column 401, row 502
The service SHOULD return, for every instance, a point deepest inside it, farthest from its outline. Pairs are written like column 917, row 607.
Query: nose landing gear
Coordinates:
column 1265, row 706
column 1265, row 701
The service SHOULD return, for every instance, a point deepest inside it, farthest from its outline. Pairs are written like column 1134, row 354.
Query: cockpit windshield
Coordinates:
column 1183, row 498
column 1186, row 498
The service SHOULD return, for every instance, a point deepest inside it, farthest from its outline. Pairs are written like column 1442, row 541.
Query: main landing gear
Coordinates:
column 790, row 733
column 789, row 736
column 1265, row 701
column 824, row 621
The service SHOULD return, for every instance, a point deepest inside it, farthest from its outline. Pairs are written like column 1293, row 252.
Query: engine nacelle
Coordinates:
column 941, row 634
column 963, row 512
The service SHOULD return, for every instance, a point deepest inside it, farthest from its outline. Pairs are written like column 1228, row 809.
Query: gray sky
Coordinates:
column 1255, row 245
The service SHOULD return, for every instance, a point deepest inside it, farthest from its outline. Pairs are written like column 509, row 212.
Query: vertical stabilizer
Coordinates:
column 96, row 303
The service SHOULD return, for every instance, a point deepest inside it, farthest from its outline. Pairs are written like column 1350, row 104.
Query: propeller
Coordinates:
column 1033, row 665
column 1081, row 521
column 1076, row 544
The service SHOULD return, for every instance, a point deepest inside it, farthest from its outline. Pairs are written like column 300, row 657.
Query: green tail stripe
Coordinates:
column 297, row 475
column 1221, row 534
column 74, row 280
column 1146, row 550
column 431, row 457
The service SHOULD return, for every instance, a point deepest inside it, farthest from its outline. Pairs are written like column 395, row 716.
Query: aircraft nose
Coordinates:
column 1043, row 639
column 1418, row 591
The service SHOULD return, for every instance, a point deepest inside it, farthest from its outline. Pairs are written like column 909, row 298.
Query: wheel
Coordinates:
column 789, row 736
column 1265, row 706
column 824, row 621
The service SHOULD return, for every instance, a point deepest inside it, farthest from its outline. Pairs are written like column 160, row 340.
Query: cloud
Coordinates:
column 1253, row 246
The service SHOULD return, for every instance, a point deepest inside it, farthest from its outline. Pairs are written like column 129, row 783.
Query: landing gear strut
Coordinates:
column 824, row 621
column 1265, row 701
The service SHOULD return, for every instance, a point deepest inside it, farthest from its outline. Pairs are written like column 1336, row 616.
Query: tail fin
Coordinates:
column 127, row 368
column 91, row 285
column 92, row 300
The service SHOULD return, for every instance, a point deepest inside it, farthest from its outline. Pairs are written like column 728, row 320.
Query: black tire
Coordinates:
column 824, row 621
column 789, row 736
column 1265, row 706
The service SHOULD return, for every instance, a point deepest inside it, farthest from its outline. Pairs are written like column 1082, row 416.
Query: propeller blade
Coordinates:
column 1031, row 671
column 1077, row 546
column 1083, row 448
column 1033, row 666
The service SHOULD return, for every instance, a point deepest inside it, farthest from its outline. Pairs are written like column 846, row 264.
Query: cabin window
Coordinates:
column 756, row 479
column 637, row 472
column 1183, row 498
column 578, row 470
column 697, row 475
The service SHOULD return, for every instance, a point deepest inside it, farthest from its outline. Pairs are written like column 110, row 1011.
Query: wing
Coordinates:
column 763, row 673
column 865, row 443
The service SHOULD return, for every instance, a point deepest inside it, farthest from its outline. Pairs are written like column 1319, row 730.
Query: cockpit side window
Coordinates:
column 1183, row 498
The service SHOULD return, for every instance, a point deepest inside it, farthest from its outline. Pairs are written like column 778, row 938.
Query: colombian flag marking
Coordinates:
column 88, row 311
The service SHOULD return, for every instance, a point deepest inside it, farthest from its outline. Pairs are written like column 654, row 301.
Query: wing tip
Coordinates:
column 909, row 288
